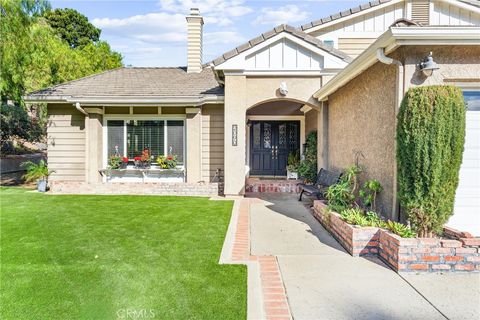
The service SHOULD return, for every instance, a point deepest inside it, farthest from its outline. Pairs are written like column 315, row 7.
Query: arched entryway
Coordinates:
column 275, row 130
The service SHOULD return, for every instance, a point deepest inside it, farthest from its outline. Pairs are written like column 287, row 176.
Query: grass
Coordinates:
column 116, row 257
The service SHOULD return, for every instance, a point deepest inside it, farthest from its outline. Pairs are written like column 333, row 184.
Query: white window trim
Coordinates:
column 127, row 117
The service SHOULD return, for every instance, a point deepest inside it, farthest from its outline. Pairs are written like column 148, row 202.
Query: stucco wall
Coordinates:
column 311, row 121
column 361, row 125
column 457, row 64
column 66, row 143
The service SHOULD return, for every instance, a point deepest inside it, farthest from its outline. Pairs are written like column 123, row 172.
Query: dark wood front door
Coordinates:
column 270, row 144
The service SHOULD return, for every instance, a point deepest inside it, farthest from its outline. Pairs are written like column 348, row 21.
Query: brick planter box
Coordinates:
column 459, row 254
column 358, row 241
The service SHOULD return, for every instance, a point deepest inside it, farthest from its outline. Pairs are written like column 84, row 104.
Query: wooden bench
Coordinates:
column 325, row 179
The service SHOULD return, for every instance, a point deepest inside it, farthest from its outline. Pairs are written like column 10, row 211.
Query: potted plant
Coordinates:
column 143, row 161
column 38, row 172
column 167, row 162
column 293, row 162
column 124, row 163
column 114, row 162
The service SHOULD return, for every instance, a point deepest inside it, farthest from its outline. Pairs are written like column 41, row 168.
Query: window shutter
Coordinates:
column 175, row 136
column 115, row 131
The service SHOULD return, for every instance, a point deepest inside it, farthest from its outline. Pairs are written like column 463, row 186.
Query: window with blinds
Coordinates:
column 130, row 137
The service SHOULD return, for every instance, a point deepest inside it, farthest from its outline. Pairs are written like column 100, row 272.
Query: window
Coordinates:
column 329, row 43
column 130, row 137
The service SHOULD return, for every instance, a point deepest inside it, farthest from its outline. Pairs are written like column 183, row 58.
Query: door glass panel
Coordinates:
column 282, row 135
column 256, row 135
column 293, row 137
column 267, row 135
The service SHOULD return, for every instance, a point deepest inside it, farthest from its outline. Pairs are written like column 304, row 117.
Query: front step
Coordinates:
column 272, row 185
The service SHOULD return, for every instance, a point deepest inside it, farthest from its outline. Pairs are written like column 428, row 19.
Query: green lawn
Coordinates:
column 116, row 257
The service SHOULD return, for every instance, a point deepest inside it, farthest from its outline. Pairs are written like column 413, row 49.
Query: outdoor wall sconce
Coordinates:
column 283, row 88
column 427, row 65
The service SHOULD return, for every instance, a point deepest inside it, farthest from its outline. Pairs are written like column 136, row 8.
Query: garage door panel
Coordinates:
column 467, row 199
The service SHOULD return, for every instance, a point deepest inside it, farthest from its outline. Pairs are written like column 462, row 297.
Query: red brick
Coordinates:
column 274, row 297
column 441, row 266
column 466, row 250
column 273, row 290
column 464, row 267
column 473, row 259
column 451, row 243
column 418, row 266
column 471, row 242
column 277, row 312
column 276, row 304
column 431, row 258
column 421, row 250
column 429, row 241
column 407, row 258
column 453, row 258
column 279, row 318
column 442, row 250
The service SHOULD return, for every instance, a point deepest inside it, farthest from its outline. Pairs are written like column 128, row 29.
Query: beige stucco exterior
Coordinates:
column 362, row 113
column 361, row 128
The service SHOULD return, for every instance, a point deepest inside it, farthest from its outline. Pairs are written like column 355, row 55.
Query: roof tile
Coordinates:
column 232, row 53
column 138, row 82
column 256, row 40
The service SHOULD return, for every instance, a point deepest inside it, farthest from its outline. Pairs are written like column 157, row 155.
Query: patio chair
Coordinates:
column 325, row 179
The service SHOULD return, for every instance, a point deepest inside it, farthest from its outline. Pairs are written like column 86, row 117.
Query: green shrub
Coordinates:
column 430, row 139
column 35, row 171
column 368, row 193
column 308, row 166
column 342, row 194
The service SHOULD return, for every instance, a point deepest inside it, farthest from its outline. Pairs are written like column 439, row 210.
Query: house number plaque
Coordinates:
column 234, row 134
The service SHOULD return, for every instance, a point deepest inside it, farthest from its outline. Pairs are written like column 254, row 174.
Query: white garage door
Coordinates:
column 467, row 199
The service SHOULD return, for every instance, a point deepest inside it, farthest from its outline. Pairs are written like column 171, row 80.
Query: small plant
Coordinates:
column 36, row 171
column 143, row 161
column 339, row 196
column 354, row 216
column 293, row 161
column 369, row 192
column 307, row 168
column 400, row 229
column 342, row 194
column 167, row 162
column 145, row 157
column 114, row 162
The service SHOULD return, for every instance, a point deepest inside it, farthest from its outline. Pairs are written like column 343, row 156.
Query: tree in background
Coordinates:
column 34, row 55
column 430, row 139
column 72, row 26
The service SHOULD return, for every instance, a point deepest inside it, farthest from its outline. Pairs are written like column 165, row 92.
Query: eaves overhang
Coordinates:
column 391, row 40
column 128, row 100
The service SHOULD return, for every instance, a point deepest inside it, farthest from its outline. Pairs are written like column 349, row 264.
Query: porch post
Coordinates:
column 235, row 123
column 322, row 136
column 193, row 144
column 94, row 144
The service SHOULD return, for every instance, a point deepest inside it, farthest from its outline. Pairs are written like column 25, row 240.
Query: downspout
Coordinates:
column 87, row 147
column 79, row 108
column 400, row 88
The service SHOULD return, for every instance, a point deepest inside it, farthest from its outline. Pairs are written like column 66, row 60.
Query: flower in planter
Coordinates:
column 167, row 162
column 125, row 160
column 114, row 162
column 137, row 158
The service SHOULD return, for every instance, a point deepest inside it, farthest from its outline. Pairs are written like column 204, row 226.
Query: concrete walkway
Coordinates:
column 322, row 281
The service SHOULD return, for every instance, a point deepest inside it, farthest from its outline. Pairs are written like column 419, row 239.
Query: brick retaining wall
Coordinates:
column 403, row 254
column 134, row 188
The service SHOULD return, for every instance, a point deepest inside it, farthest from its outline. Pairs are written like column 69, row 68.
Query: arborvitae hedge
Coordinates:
column 430, row 139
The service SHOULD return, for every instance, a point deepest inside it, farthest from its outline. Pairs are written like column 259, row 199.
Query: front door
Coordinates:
column 270, row 144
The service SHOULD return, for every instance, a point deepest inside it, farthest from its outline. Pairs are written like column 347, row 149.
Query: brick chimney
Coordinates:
column 195, row 35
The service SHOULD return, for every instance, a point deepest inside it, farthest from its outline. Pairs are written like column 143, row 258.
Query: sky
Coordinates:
column 152, row 33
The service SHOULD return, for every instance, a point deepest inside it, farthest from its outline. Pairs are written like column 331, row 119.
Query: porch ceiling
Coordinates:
column 278, row 108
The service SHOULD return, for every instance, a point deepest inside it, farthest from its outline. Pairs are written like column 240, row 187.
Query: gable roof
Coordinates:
column 136, row 82
column 277, row 30
column 343, row 14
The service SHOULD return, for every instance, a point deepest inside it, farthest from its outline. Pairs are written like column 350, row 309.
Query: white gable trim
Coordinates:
column 239, row 62
column 352, row 16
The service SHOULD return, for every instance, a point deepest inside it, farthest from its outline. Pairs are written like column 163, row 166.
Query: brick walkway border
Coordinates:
column 275, row 303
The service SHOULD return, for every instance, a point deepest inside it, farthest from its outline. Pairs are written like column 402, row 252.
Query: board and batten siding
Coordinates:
column 66, row 143
column 354, row 46
column 212, row 140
